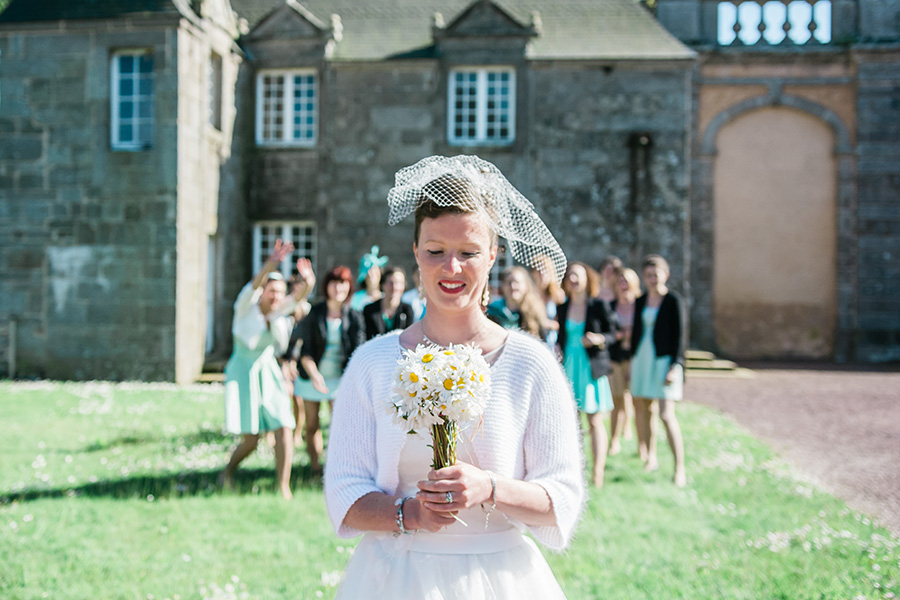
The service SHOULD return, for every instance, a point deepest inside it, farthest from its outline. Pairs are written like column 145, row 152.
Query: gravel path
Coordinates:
column 840, row 425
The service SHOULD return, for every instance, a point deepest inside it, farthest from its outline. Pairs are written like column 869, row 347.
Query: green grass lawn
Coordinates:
column 107, row 491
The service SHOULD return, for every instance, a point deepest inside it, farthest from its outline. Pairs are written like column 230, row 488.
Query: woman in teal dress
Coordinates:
column 584, row 327
column 257, row 398
column 657, row 366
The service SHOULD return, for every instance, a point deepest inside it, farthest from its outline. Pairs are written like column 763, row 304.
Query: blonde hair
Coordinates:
column 531, row 308
column 634, row 281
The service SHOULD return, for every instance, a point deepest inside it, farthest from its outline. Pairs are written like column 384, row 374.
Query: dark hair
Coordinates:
column 655, row 260
column 339, row 273
column 611, row 260
column 388, row 272
column 461, row 191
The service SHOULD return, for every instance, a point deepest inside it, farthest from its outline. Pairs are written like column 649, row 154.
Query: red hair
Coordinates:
column 338, row 273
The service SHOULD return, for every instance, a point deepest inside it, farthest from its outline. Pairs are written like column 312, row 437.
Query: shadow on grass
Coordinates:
column 171, row 485
column 202, row 436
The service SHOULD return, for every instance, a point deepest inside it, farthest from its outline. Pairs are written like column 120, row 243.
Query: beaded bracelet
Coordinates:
column 487, row 517
column 399, row 519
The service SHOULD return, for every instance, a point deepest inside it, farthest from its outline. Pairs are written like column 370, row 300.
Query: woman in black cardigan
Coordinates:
column 657, row 366
column 390, row 312
column 330, row 332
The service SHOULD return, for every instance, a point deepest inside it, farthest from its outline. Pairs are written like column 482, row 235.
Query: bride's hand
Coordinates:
column 416, row 516
column 467, row 484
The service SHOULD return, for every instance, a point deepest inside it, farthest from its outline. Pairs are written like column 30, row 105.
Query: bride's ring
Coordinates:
column 449, row 497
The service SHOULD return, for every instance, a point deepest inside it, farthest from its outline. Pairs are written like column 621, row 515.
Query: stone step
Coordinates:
column 211, row 377
column 699, row 355
column 711, row 365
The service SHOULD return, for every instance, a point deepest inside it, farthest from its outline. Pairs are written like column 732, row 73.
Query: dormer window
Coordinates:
column 481, row 106
column 287, row 108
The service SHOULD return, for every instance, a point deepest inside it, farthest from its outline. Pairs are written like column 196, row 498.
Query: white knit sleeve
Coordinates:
column 553, row 451
column 351, row 469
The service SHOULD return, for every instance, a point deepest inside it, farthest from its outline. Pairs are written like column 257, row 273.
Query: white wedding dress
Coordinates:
column 459, row 562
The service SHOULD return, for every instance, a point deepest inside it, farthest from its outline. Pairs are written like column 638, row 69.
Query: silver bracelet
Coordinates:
column 487, row 517
column 399, row 518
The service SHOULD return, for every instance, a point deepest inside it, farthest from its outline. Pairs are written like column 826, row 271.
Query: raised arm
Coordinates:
column 306, row 280
column 279, row 253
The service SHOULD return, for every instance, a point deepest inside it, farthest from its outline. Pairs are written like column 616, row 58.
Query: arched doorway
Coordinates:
column 775, row 230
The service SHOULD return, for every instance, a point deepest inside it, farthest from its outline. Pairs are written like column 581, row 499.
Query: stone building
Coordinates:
column 116, row 121
column 795, row 208
column 127, row 234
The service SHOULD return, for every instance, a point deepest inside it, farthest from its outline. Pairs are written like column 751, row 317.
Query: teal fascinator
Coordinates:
column 368, row 261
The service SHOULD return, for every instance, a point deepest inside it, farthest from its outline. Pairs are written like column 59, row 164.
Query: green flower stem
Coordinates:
column 443, row 437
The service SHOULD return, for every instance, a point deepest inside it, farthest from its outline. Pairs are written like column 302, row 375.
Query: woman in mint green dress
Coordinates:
column 257, row 398
column 657, row 366
column 583, row 329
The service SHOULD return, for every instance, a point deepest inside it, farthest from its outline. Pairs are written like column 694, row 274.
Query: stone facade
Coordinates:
column 124, row 264
column 100, row 265
column 851, row 87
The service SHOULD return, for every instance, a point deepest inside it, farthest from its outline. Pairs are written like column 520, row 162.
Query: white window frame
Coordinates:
column 300, row 233
column 145, row 103
column 482, row 108
column 286, row 136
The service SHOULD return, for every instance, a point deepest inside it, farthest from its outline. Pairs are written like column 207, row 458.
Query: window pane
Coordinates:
column 126, row 64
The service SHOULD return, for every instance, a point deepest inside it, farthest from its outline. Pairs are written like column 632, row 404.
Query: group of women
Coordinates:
column 621, row 350
column 457, row 531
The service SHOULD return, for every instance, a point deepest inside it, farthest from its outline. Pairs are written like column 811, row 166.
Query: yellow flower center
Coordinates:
column 449, row 352
column 427, row 358
column 413, row 377
column 448, row 384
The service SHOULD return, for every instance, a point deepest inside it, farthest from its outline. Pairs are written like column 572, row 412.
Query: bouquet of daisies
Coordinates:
column 440, row 388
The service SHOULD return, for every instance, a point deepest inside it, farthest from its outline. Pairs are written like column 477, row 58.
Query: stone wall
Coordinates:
column 89, row 270
column 878, row 217
column 203, row 150
column 571, row 157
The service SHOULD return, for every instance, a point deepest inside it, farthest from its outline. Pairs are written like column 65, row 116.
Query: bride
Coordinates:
column 457, row 532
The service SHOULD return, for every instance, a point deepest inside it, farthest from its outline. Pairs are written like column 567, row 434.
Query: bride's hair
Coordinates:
column 458, row 196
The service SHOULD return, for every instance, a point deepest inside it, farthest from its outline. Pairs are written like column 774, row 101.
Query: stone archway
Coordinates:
column 775, row 226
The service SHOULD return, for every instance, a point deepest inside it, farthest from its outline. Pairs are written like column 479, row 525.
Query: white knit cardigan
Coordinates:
column 530, row 431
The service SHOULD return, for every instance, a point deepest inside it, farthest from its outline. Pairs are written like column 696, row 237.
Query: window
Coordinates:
column 131, row 121
column 301, row 233
column 286, row 108
column 215, row 90
column 775, row 22
column 504, row 260
column 481, row 106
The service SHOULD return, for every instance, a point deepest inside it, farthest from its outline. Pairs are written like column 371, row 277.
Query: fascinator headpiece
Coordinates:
column 369, row 260
column 474, row 184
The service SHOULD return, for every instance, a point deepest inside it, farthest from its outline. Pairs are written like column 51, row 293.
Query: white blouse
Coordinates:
column 249, row 323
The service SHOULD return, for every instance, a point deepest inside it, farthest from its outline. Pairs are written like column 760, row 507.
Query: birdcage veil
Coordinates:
column 474, row 184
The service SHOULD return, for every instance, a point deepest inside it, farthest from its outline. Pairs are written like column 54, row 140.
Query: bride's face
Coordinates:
column 455, row 253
